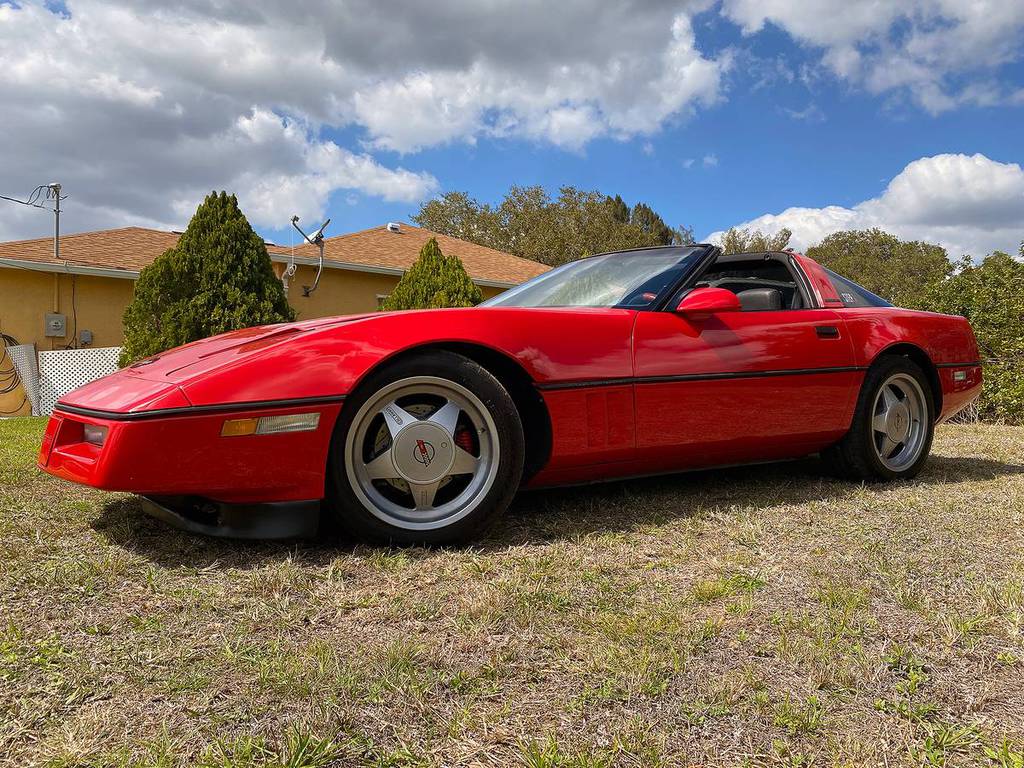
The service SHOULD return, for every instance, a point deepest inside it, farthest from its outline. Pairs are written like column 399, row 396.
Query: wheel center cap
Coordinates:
column 897, row 423
column 423, row 452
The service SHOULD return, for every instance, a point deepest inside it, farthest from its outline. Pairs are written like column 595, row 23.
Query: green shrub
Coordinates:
column 991, row 296
column 217, row 278
column 435, row 280
column 895, row 269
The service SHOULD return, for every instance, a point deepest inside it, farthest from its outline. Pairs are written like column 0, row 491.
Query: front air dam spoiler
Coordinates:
column 269, row 520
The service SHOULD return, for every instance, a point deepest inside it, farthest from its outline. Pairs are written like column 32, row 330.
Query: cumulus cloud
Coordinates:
column 139, row 114
column 967, row 203
column 140, row 107
column 924, row 47
column 587, row 70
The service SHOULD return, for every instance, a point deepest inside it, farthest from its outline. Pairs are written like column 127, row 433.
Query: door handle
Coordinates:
column 826, row 331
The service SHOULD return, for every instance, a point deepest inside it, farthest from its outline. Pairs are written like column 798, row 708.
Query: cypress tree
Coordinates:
column 217, row 278
column 435, row 280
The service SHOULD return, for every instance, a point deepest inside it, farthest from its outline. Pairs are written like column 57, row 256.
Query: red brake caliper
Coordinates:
column 464, row 439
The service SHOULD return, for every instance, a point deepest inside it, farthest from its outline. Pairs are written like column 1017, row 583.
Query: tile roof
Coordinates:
column 379, row 247
column 132, row 248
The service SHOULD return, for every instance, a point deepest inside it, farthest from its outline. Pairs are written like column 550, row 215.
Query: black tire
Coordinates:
column 855, row 456
column 352, row 513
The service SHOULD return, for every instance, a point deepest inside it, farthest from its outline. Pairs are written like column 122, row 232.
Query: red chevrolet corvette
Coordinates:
column 420, row 426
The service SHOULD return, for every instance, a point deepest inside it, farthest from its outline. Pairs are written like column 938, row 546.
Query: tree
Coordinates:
column 456, row 214
column 897, row 270
column 217, row 278
column 435, row 280
column 620, row 211
column 530, row 224
column 991, row 296
column 650, row 223
column 754, row 241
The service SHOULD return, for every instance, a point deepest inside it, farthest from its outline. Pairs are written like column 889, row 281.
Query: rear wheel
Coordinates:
column 428, row 450
column 893, row 424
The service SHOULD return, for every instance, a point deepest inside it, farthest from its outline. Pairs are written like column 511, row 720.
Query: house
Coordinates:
column 79, row 300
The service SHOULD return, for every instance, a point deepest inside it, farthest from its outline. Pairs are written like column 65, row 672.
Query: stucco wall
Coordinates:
column 344, row 293
column 26, row 296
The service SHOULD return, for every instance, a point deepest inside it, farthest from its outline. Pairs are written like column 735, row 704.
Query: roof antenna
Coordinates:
column 318, row 240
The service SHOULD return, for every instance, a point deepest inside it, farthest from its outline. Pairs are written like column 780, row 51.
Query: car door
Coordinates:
column 739, row 386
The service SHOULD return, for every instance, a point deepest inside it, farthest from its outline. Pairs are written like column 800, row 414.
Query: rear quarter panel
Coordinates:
column 948, row 341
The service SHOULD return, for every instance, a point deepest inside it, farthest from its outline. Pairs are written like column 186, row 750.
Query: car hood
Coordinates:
column 158, row 382
column 325, row 358
column 183, row 363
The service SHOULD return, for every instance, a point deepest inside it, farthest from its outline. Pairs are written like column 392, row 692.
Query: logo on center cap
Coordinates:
column 423, row 452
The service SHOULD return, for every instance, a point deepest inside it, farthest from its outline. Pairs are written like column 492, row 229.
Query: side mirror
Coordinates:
column 708, row 301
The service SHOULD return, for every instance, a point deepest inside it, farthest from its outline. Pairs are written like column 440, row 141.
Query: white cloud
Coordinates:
column 710, row 161
column 139, row 115
column 811, row 114
column 967, row 203
column 140, row 107
column 637, row 71
column 936, row 50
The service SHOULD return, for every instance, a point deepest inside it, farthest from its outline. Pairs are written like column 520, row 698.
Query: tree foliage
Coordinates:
column 217, row 278
column 753, row 241
column 435, row 280
column 530, row 224
column 991, row 296
column 898, row 270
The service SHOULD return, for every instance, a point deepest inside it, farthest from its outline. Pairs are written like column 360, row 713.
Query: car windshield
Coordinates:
column 626, row 279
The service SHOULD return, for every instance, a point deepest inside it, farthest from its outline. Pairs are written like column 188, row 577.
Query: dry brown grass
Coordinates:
column 758, row 616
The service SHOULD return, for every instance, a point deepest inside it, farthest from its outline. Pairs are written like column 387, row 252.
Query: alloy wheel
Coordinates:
column 899, row 426
column 422, row 452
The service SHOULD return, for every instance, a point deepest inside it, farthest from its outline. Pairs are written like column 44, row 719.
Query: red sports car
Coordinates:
column 421, row 426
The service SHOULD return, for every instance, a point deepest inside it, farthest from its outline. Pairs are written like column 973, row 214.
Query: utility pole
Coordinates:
column 54, row 187
column 52, row 192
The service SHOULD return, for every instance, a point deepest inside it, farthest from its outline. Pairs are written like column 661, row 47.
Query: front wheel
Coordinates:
column 893, row 424
column 429, row 450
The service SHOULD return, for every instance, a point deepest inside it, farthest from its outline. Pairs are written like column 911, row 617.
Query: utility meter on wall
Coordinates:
column 56, row 324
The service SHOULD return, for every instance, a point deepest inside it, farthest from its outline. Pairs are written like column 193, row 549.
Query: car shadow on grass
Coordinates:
column 621, row 506
column 542, row 516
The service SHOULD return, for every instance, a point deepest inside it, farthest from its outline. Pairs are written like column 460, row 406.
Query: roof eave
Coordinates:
column 69, row 269
column 127, row 274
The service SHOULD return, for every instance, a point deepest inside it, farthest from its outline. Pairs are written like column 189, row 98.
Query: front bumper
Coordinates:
column 273, row 520
column 182, row 452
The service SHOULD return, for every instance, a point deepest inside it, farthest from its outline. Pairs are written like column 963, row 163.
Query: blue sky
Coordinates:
column 815, row 115
column 776, row 140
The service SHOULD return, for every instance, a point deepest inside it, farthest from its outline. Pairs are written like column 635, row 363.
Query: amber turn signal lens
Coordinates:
column 271, row 425
column 237, row 427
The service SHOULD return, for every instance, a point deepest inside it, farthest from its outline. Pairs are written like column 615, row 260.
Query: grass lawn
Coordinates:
column 757, row 616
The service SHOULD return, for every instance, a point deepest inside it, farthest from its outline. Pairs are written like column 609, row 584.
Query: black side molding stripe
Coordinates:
column 698, row 377
column 198, row 410
column 624, row 381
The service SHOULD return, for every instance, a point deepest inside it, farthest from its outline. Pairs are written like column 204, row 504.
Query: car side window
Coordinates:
column 854, row 295
column 761, row 284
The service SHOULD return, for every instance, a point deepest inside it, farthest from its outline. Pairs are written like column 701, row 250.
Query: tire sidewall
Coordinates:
column 347, row 508
column 876, row 377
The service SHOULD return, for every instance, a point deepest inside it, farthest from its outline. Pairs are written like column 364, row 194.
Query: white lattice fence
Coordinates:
column 24, row 358
column 62, row 370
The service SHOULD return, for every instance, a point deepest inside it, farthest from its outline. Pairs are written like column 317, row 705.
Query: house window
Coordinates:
column 380, row 300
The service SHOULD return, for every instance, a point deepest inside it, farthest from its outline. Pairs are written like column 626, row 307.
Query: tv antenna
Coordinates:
column 316, row 239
